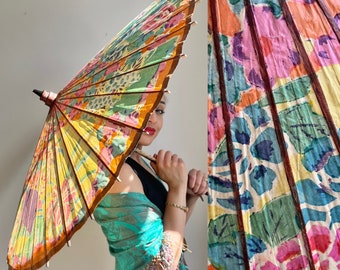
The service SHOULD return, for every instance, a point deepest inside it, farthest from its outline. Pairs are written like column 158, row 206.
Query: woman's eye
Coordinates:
column 159, row 111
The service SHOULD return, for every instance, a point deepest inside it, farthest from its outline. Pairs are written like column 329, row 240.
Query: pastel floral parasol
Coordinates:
column 92, row 126
column 274, row 163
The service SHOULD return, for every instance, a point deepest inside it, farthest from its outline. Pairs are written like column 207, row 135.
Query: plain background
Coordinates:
column 43, row 44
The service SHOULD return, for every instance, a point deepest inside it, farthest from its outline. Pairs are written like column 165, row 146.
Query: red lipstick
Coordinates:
column 149, row 131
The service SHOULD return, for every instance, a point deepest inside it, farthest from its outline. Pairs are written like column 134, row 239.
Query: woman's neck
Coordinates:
column 135, row 156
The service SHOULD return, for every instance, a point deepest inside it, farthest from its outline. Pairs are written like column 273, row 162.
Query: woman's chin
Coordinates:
column 145, row 141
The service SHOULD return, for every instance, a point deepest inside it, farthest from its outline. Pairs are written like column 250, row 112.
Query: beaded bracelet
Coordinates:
column 183, row 208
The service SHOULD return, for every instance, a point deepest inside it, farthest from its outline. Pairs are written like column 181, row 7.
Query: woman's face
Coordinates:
column 154, row 125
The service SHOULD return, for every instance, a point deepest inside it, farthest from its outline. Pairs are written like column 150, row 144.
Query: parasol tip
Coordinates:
column 38, row 92
column 194, row 23
column 183, row 55
column 47, row 97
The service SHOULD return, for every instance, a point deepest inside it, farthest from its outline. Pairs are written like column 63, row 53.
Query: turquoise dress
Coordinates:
column 133, row 228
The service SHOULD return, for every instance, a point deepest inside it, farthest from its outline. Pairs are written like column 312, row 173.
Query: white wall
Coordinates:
column 42, row 45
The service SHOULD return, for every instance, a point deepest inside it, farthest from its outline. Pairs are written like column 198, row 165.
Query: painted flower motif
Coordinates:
column 269, row 266
column 153, row 21
column 174, row 20
column 31, row 202
column 216, row 129
column 112, row 69
column 278, row 48
column 75, row 114
column 289, row 253
column 335, row 252
column 326, row 50
column 319, row 238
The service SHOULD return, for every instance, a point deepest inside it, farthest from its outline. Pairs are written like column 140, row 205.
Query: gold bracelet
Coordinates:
column 183, row 208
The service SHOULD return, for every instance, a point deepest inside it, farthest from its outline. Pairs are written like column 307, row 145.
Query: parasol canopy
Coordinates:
column 93, row 124
column 273, row 134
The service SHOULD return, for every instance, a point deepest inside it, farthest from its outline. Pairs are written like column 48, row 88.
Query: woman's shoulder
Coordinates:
column 128, row 181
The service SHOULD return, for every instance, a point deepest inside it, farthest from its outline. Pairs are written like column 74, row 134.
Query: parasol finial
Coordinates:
column 47, row 97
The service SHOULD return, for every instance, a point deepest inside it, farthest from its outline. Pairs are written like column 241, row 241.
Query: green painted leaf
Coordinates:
column 303, row 125
column 276, row 223
column 223, row 229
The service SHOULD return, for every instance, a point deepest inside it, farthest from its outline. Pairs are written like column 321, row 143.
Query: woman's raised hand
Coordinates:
column 171, row 169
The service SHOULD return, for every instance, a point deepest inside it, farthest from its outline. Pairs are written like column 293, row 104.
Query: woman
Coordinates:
column 143, row 221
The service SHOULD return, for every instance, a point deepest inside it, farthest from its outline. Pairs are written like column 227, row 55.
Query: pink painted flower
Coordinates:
column 112, row 69
column 157, row 19
column 288, row 250
column 335, row 252
column 277, row 46
column 324, row 265
column 319, row 238
column 298, row 263
column 216, row 128
column 326, row 50
column 174, row 20
column 269, row 266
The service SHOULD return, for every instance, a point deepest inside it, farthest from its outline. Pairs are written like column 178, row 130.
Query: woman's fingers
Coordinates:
column 170, row 168
column 197, row 182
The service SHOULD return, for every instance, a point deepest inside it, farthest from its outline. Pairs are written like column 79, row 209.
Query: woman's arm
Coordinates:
column 171, row 169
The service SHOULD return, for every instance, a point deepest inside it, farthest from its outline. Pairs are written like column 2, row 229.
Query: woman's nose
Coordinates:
column 152, row 117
